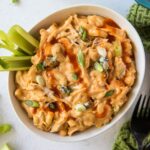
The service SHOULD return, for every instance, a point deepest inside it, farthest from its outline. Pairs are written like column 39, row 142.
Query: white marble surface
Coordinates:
column 27, row 14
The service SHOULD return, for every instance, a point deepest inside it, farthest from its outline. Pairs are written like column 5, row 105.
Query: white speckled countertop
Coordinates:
column 27, row 14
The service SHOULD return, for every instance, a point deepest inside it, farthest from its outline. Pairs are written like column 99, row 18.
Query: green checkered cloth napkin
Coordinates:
column 139, row 16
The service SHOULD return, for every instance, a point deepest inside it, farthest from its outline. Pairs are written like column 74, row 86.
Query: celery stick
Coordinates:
column 26, row 36
column 18, row 64
column 14, row 63
column 3, row 63
column 14, row 69
column 14, row 58
column 14, row 51
column 7, row 44
column 21, row 42
column 4, row 38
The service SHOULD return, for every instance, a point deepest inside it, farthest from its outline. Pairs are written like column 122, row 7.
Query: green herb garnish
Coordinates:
column 65, row 90
column 98, row 67
column 109, row 93
column 5, row 147
column 31, row 103
column 80, row 107
column 4, row 128
column 74, row 76
column 81, row 58
column 117, row 48
column 14, row 1
column 40, row 80
column 52, row 106
column 40, row 66
column 51, row 61
column 83, row 33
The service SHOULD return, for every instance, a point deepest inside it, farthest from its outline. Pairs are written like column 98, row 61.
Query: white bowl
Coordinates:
column 59, row 16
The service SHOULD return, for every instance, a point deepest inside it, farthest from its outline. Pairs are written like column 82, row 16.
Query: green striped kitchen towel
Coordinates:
column 125, row 139
column 139, row 16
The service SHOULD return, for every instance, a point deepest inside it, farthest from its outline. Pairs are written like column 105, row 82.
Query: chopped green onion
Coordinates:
column 80, row 107
column 52, row 106
column 51, row 61
column 31, row 103
column 109, row 93
column 98, row 67
column 4, row 128
column 81, row 58
column 40, row 80
column 102, row 52
column 105, row 65
column 84, row 36
column 74, row 76
column 14, row 1
column 83, row 33
column 40, row 66
column 117, row 48
column 81, row 30
column 87, row 104
column 65, row 90
column 5, row 147
column 103, row 59
column 121, row 72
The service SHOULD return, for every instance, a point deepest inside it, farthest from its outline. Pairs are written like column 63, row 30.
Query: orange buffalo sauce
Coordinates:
column 72, row 57
column 110, row 22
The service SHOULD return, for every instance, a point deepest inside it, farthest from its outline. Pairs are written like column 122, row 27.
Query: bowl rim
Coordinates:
column 110, row 124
